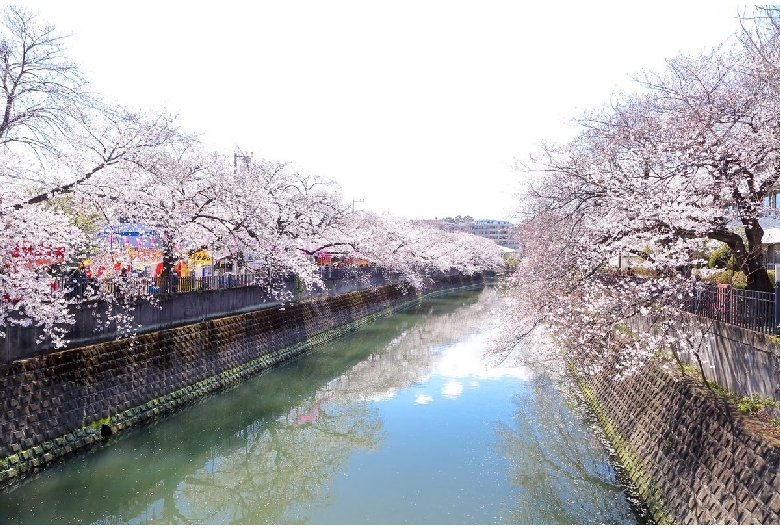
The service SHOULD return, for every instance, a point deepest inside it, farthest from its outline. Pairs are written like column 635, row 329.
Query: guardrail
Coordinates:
column 754, row 310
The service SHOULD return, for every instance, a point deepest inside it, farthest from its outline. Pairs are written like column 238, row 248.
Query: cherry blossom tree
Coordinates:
column 265, row 209
column 55, row 137
column 72, row 164
column 417, row 250
column 41, row 89
column 276, row 218
column 760, row 37
column 691, row 158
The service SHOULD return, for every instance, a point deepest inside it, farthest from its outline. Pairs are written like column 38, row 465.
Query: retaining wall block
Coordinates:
column 699, row 449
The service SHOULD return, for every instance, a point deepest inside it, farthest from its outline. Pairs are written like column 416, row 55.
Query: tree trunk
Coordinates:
column 749, row 254
column 167, row 283
column 753, row 263
column 757, row 276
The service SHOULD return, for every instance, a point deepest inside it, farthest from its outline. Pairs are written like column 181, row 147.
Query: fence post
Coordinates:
column 776, row 320
column 730, row 309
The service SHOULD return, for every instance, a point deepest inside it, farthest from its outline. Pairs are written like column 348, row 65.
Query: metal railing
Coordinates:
column 86, row 287
column 754, row 310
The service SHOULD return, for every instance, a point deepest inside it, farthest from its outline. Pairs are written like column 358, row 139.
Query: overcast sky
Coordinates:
column 418, row 108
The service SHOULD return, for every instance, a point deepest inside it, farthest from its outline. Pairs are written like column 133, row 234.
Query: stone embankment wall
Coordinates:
column 57, row 402
column 694, row 458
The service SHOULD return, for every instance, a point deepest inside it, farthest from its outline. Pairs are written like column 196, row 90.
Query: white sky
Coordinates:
column 418, row 108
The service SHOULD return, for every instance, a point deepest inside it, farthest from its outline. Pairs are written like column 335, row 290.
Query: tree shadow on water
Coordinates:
column 561, row 472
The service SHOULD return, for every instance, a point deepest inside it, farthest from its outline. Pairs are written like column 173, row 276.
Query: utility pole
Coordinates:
column 246, row 159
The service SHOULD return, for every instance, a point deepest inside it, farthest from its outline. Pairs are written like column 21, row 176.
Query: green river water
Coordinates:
column 402, row 422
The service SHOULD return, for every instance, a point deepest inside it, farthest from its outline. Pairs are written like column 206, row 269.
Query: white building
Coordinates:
column 502, row 232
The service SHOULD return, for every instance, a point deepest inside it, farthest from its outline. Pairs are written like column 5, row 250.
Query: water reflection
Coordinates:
column 557, row 463
column 394, row 424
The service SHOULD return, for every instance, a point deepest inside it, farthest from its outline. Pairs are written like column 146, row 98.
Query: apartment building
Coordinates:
column 502, row 232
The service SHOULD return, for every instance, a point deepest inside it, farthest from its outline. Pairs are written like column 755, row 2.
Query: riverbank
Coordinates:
column 57, row 403
column 694, row 458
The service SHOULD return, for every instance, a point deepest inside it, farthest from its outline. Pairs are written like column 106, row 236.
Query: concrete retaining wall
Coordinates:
column 740, row 360
column 57, row 402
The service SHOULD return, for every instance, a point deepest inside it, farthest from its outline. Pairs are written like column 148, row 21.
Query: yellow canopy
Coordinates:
column 201, row 257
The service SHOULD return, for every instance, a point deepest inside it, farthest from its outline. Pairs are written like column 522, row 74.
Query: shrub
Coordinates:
column 729, row 277
column 754, row 403
column 739, row 280
column 720, row 257
column 645, row 272
column 724, row 277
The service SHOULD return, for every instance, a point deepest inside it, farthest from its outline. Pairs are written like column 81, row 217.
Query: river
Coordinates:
column 401, row 422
